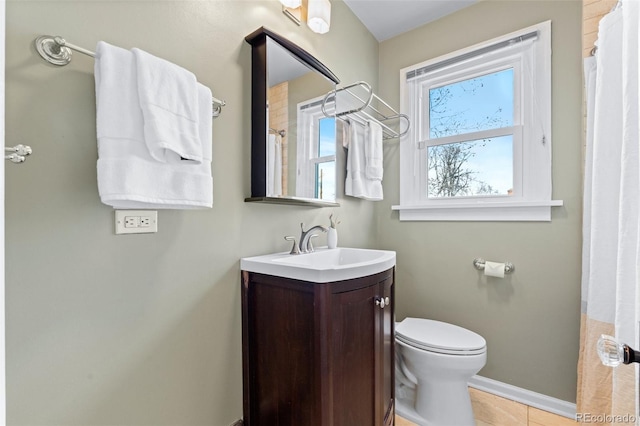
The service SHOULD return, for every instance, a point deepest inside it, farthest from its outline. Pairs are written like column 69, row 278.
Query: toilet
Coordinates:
column 434, row 362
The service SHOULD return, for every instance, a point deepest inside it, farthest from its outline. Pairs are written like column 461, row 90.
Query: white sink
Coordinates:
column 322, row 266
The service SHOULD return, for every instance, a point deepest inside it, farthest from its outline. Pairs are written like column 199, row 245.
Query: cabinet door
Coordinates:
column 353, row 356
column 279, row 354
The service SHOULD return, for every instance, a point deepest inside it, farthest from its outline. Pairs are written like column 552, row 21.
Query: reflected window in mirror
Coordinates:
column 326, row 160
column 316, row 159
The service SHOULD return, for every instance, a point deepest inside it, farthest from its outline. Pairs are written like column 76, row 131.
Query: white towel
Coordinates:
column 274, row 166
column 373, row 151
column 357, row 184
column 128, row 177
column 168, row 98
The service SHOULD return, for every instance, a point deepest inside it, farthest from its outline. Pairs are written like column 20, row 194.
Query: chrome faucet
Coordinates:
column 306, row 236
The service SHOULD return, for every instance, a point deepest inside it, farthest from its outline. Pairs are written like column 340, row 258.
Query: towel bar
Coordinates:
column 57, row 51
column 281, row 132
column 18, row 154
column 366, row 110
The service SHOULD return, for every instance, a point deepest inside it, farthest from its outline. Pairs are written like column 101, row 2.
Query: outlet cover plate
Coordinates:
column 136, row 221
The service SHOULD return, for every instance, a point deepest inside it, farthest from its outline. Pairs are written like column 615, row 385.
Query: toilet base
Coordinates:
column 444, row 403
column 404, row 409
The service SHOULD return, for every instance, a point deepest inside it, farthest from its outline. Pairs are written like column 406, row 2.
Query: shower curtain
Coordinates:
column 274, row 165
column 611, row 231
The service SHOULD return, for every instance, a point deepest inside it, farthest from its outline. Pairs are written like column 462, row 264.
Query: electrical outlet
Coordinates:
column 131, row 221
column 136, row 221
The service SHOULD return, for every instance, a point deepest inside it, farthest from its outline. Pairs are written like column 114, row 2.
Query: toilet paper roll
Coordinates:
column 494, row 269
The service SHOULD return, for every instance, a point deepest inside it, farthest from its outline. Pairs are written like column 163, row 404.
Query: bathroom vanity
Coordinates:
column 318, row 353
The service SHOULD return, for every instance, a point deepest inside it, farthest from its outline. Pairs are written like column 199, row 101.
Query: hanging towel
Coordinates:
column 274, row 166
column 345, row 132
column 356, row 183
column 168, row 98
column 128, row 176
column 373, row 151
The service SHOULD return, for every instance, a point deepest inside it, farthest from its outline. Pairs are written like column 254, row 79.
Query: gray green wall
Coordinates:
column 531, row 318
column 144, row 330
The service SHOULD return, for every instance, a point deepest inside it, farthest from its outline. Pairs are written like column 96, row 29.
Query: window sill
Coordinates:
column 537, row 211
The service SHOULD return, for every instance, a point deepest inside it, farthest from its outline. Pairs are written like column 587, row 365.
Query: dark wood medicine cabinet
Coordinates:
column 276, row 61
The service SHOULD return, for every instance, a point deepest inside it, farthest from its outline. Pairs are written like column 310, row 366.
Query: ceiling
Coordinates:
column 388, row 18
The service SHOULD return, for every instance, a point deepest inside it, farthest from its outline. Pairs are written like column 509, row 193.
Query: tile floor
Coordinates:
column 491, row 410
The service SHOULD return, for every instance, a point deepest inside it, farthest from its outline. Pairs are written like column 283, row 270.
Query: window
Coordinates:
column 316, row 155
column 480, row 143
column 470, row 141
column 325, row 159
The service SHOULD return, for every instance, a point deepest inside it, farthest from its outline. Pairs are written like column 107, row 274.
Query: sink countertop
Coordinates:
column 322, row 266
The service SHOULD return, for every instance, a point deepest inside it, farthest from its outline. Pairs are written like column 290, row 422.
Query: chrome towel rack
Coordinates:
column 365, row 105
column 57, row 51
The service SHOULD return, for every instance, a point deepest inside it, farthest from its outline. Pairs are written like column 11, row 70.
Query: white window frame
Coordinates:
column 531, row 130
column 309, row 115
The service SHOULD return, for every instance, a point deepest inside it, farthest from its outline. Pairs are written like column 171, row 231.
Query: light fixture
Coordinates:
column 291, row 3
column 318, row 13
column 319, row 16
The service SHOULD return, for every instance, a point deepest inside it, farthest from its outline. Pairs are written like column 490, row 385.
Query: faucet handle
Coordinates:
column 294, row 249
column 309, row 245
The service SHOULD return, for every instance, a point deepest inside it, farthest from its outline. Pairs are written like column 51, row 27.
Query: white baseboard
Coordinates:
column 534, row 399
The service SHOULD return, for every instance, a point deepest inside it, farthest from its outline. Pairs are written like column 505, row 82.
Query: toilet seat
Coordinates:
column 439, row 337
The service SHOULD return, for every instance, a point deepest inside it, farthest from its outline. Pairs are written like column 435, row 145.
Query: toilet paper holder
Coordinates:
column 478, row 263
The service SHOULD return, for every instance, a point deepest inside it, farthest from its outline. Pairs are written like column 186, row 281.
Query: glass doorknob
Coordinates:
column 612, row 353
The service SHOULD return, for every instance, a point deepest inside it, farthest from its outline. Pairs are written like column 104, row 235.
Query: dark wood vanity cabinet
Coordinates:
column 318, row 354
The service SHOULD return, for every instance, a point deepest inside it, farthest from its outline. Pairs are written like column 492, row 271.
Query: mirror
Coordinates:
column 293, row 143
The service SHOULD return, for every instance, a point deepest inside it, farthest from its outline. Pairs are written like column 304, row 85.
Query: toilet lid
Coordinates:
column 439, row 337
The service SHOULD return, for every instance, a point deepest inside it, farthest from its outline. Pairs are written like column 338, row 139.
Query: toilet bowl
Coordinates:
column 434, row 362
